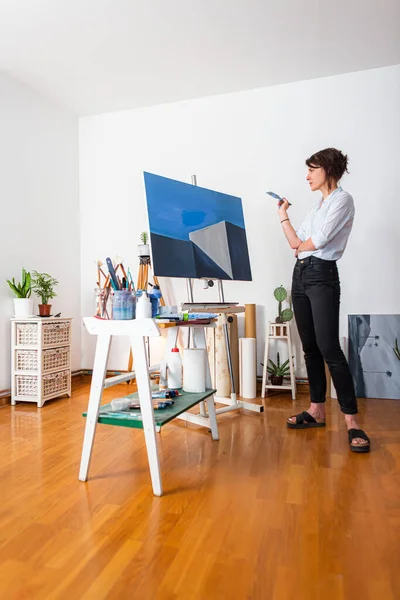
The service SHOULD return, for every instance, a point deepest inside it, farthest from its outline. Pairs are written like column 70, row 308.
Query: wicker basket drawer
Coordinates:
column 26, row 385
column 56, row 383
column 26, row 360
column 55, row 334
column 27, row 334
column 55, row 358
column 52, row 384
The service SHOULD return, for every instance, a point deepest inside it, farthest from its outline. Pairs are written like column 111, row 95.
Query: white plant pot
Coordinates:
column 23, row 307
column 144, row 250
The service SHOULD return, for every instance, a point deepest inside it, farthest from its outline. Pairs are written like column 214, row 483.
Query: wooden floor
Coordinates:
column 265, row 513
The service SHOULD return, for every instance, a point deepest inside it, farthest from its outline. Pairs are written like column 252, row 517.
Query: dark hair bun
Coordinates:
column 333, row 161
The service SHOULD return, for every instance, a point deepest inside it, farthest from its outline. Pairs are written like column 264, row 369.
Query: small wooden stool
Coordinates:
column 278, row 331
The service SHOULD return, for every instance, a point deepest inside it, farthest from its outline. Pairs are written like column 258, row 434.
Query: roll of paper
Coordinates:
column 194, row 370
column 248, row 356
column 250, row 321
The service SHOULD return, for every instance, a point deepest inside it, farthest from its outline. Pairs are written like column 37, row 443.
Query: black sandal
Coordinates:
column 359, row 433
column 304, row 421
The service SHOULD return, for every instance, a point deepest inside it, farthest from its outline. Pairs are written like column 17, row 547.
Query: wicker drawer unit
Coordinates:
column 40, row 359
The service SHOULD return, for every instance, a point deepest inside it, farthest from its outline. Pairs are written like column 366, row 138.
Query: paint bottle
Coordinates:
column 143, row 307
column 174, row 364
column 155, row 297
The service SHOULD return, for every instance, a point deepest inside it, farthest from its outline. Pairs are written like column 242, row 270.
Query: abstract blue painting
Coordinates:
column 195, row 232
column 374, row 356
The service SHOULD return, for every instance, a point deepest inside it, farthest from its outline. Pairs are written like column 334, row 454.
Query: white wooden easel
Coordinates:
column 278, row 331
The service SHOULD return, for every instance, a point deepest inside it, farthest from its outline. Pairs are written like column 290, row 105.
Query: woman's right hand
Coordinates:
column 282, row 207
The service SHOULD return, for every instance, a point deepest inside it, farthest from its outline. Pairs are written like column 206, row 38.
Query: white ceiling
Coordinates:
column 93, row 56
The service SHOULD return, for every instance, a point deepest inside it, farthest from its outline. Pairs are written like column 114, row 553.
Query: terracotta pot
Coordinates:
column 44, row 310
column 276, row 379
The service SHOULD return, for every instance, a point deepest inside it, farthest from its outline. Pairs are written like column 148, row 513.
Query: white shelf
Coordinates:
column 36, row 372
column 26, row 347
column 278, row 331
column 278, row 387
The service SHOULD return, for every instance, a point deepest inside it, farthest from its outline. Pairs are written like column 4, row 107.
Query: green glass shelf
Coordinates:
column 133, row 417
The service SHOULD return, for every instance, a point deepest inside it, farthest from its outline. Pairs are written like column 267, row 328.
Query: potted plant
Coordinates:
column 23, row 305
column 278, row 371
column 144, row 248
column 286, row 314
column 43, row 286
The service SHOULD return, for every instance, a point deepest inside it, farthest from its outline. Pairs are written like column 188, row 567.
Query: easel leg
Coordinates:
column 146, row 406
column 96, row 392
column 199, row 340
column 265, row 367
column 213, row 418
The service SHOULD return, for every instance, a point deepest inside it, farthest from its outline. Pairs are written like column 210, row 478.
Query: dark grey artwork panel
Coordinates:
column 373, row 356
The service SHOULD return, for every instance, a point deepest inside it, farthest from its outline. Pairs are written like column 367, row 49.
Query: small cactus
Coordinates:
column 286, row 315
column 143, row 237
column 280, row 295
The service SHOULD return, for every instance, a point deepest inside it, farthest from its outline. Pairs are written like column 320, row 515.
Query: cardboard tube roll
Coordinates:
column 250, row 328
column 234, row 343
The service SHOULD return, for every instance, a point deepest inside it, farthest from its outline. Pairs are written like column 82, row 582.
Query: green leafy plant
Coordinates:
column 396, row 350
column 286, row 314
column 144, row 237
column 43, row 285
column 277, row 369
column 23, row 289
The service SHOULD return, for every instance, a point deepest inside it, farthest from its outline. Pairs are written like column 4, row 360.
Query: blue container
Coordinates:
column 155, row 300
column 123, row 305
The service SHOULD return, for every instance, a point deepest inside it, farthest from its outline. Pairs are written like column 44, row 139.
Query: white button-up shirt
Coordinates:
column 328, row 224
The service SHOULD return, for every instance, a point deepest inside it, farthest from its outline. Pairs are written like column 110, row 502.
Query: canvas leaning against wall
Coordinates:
column 195, row 232
column 374, row 356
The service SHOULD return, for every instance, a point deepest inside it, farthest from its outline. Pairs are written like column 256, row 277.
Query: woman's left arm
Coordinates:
column 305, row 246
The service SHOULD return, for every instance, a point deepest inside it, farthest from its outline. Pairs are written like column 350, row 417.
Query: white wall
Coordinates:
column 40, row 205
column 244, row 144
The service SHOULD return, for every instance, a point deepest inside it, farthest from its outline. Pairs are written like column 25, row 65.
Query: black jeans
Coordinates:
column 316, row 299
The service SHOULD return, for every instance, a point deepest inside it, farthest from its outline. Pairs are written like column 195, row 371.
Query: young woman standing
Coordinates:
column 319, row 243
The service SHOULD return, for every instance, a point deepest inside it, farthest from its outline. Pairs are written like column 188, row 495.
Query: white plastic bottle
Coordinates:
column 174, row 364
column 143, row 307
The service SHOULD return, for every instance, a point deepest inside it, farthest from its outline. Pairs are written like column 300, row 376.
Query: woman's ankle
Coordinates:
column 352, row 421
